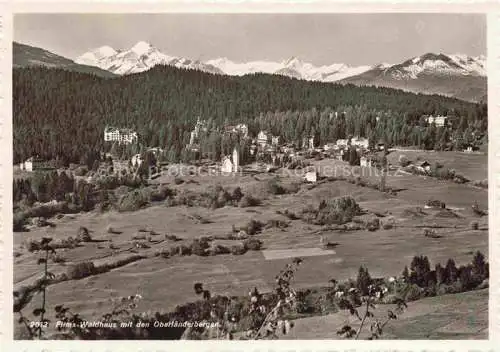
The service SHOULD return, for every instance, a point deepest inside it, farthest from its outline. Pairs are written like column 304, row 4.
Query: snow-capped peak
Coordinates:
column 141, row 48
column 143, row 56
column 430, row 63
column 106, row 51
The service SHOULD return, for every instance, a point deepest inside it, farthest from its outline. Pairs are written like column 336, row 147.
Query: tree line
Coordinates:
column 59, row 114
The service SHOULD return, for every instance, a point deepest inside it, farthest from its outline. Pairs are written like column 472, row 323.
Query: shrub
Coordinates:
column 83, row 235
column 474, row 225
column 252, row 227
column 481, row 183
column 337, row 211
column 248, row 201
column 280, row 224
column 290, row 215
column 388, row 223
column 411, row 292
column 81, row 270
column 275, row 187
column 363, row 280
column 404, row 161
column 161, row 193
column 199, row 247
column 238, row 249
column 217, row 249
column 237, row 194
column 372, row 224
column 252, row 244
column 134, row 200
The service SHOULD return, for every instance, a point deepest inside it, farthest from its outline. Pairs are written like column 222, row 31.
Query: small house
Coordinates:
column 262, row 138
column 35, row 163
column 439, row 121
column 342, row 143
column 311, row 176
column 275, row 140
column 359, row 142
column 227, row 165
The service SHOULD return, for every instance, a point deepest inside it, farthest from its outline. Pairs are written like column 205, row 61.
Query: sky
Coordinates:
column 353, row 39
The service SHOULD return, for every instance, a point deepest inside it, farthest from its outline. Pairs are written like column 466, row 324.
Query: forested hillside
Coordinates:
column 62, row 114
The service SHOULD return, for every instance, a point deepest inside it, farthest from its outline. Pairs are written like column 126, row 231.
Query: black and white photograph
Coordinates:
column 250, row 176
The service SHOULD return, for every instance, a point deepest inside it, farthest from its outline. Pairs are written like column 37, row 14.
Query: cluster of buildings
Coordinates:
column 120, row 135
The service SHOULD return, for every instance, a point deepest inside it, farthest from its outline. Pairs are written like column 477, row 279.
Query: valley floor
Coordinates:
column 165, row 283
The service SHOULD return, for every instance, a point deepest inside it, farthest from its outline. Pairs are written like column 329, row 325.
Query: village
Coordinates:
column 266, row 152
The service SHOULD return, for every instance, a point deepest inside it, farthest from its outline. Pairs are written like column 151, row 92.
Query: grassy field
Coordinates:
column 165, row 283
column 449, row 317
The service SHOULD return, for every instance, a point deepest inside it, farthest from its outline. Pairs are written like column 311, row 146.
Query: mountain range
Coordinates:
column 458, row 76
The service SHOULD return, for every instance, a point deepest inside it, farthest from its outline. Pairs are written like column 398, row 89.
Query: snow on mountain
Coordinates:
column 441, row 64
column 143, row 56
column 458, row 75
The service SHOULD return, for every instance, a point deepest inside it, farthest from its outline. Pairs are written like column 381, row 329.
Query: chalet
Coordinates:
column 360, row 142
column 227, row 165
column 311, row 176
column 329, row 146
column 120, row 135
column 342, row 143
column 262, row 138
column 439, row 120
column 241, row 129
column 33, row 164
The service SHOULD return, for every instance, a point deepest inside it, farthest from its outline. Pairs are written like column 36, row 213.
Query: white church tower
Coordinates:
column 236, row 160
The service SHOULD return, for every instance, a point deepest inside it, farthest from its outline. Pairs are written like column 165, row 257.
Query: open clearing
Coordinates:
column 165, row 283
column 449, row 317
